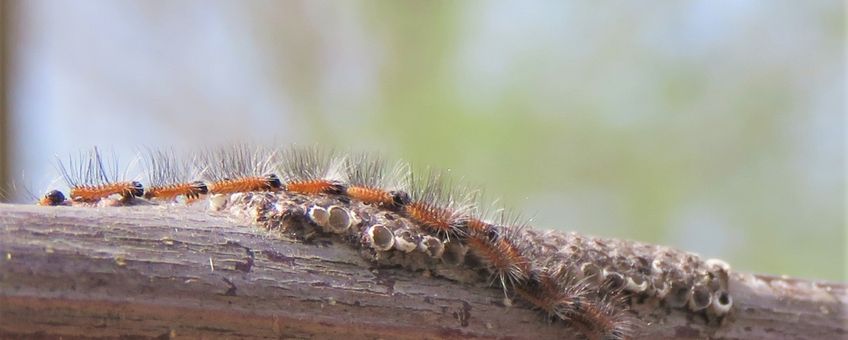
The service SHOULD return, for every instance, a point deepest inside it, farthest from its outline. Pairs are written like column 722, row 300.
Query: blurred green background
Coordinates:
column 713, row 126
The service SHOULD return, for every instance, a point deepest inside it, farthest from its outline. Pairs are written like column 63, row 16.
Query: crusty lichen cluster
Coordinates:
column 650, row 278
column 651, row 274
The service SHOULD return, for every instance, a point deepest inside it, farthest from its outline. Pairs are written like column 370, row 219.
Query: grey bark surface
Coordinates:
column 165, row 272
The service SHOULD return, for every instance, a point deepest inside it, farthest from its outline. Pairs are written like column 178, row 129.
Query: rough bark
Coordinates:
column 177, row 271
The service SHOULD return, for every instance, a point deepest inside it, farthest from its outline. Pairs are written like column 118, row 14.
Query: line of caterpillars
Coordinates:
column 311, row 171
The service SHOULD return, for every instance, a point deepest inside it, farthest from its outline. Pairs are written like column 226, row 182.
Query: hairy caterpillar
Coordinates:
column 90, row 180
column 168, row 178
column 239, row 168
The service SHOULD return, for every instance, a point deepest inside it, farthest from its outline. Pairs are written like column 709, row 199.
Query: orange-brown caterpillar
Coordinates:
column 553, row 288
column 431, row 217
column 476, row 226
column 170, row 178
column 268, row 182
column 434, row 206
column 368, row 181
column 95, row 193
column 501, row 253
column 310, row 171
column 239, row 169
column 89, row 181
column 315, row 186
column 371, row 195
column 600, row 318
column 171, row 192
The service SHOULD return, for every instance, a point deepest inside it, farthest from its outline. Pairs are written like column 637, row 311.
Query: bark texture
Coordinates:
column 157, row 271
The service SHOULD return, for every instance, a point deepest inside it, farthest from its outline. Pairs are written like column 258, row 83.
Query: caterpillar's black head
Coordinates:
column 199, row 187
column 273, row 181
column 336, row 188
column 400, row 198
column 54, row 197
column 137, row 189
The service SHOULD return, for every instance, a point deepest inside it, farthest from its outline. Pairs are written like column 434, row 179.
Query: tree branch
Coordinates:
column 159, row 271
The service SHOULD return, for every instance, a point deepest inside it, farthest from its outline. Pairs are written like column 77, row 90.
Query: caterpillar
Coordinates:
column 501, row 249
column 434, row 204
column 586, row 283
column 310, row 171
column 239, row 168
column 369, row 181
column 90, row 180
column 168, row 178
column 559, row 294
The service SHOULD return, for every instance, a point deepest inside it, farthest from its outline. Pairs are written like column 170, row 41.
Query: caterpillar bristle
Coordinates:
column 481, row 213
column 236, row 160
